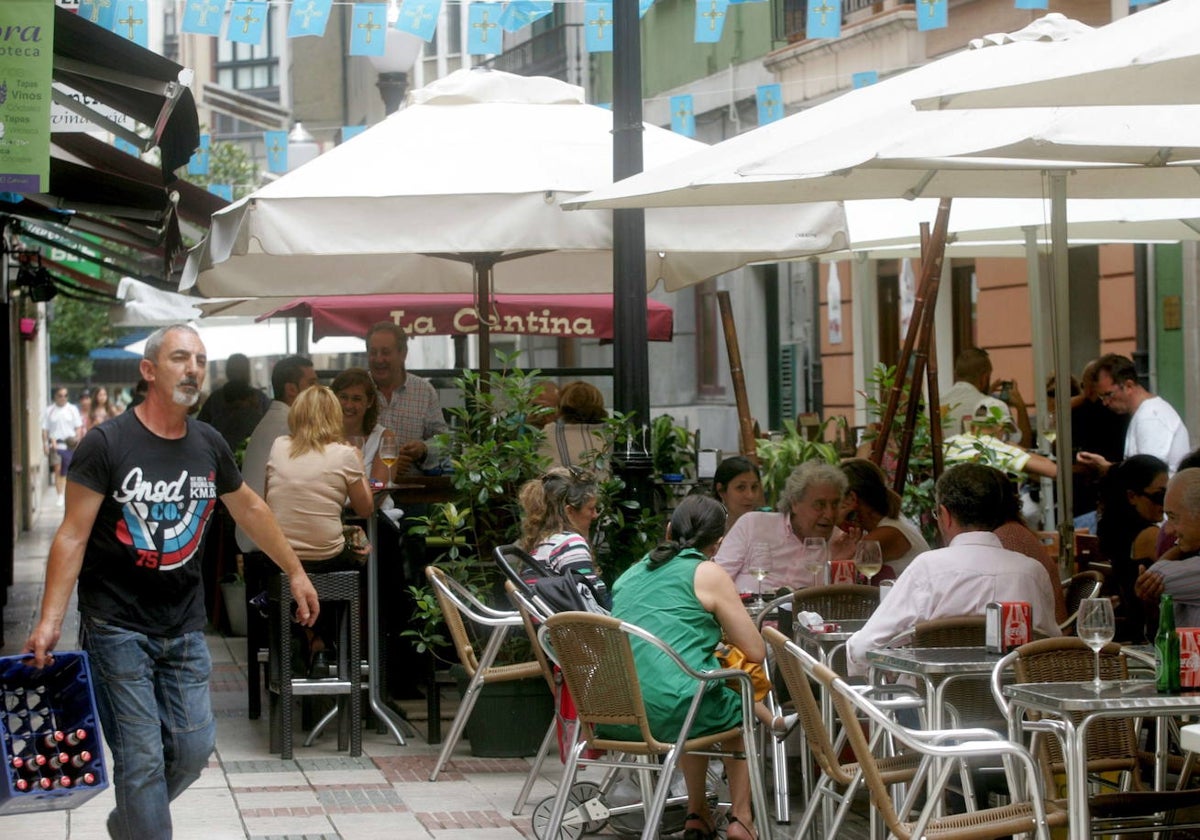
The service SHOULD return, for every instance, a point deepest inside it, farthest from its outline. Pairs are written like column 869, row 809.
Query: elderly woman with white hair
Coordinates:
column 809, row 506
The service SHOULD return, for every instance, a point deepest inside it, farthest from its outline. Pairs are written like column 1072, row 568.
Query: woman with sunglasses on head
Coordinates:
column 1131, row 508
column 557, row 512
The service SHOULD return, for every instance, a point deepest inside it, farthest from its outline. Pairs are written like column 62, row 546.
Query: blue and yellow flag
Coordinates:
column 520, row 13
column 100, row 12
column 247, row 22
column 198, row 165
column 710, row 20
column 824, row 19
column 419, row 17
column 770, row 103
column 277, row 152
column 483, row 25
column 1033, row 4
column 864, row 78
column 131, row 21
column 349, row 131
column 203, row 17
column 643, row 7
column 683, row 118
column 225, row 191
column 368, row 27
column 308, row 17
column 126, row 147
column 931, row 14
column 742, row 2
column 598, row 26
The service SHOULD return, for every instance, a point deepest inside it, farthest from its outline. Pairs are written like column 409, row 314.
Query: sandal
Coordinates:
column 782, row 726
column 708, row 832
column 732, row 821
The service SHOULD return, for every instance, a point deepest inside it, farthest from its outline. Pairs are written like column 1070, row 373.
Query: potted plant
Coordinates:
column 777, row 458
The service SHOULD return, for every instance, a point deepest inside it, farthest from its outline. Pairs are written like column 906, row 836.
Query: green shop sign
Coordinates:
column 26, row 68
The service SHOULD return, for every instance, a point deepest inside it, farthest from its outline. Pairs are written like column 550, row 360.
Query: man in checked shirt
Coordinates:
column 408, row 404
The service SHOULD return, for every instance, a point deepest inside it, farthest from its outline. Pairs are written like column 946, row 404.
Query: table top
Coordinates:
column 846, row 628
column 418, row 489
column 1115, row 696
column 934, row 661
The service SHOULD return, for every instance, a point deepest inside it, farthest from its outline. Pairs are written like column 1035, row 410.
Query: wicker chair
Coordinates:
column 837, row 601
column 839, row 781
column 947, row 747
column 457, row 602
column 1111, row 743
column 1083, row 585
column 596, row 658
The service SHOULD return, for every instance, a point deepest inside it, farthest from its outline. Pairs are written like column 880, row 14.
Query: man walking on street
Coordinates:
column 62, row 427
column 139, row 501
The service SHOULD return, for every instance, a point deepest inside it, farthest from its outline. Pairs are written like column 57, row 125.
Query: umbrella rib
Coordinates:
column 915, row 191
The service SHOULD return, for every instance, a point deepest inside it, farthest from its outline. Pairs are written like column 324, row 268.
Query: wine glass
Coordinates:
column 868, row 558
column 1096, row 626
column 816, row 558
column 389, row 452
column 760, row 554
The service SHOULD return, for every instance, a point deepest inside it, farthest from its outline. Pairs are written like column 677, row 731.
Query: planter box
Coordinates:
column 510, row 718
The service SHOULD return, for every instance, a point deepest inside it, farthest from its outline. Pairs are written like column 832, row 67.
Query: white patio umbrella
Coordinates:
column 1148, row 58
column 144, row 305
column 467, row 179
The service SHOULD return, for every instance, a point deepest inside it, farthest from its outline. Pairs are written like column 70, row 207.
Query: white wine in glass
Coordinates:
column 389, row 451
column 816, row 559
column 1096, row 626
column 868, row 558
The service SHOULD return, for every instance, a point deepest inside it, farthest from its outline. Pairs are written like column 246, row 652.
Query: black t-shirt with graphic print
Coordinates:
column 142, row 565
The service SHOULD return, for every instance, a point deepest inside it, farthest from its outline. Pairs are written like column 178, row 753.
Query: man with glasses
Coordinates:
column 1154, row 426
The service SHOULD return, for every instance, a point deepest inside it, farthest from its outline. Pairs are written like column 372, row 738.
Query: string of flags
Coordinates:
column 245, row 21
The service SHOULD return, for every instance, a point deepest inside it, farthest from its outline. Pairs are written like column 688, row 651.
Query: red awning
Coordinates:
column 557, row 316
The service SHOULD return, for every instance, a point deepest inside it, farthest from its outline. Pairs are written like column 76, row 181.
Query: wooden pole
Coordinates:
column 738, row 376
column 931, row 370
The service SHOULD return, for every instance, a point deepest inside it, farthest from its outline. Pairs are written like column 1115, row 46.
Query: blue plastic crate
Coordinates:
column 34, row 706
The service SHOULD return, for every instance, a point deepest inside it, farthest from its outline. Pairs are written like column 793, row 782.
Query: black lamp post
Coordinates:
column 399, row 54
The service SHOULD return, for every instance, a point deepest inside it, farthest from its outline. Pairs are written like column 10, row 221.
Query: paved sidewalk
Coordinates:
column 247, row 792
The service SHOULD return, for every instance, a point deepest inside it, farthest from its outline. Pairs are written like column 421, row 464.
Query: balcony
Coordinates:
column 791, row 16
column 545, row 54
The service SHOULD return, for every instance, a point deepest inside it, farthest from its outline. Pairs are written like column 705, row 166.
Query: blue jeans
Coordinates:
column 152, row 695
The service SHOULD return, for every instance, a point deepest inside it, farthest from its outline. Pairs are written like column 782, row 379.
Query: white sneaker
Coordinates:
column 58, row 501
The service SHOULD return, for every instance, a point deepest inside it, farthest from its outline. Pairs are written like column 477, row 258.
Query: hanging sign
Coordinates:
column 833, row 297
column 26, row 66
column 908, row 294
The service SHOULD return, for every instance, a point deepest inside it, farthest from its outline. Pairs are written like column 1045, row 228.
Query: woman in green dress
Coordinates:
column 690, row 604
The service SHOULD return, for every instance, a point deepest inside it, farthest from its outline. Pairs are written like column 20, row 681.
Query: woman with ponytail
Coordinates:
column 689, row 603
column 557, row 512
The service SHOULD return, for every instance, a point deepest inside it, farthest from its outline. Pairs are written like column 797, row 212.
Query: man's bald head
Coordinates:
column 1182, row 507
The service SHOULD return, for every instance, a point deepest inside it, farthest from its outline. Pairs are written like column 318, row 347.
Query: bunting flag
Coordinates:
column 1033, row 4
column 308, row 17
column 367, row 25
column 198, row 165
column 1133, row 4
column 931, row 14
column 607, row 106
column 483, row 22
column 824, row 19
column 99, row 12
column 203, row 17
column 131, row 17
column 521, row 13
column 247, row 22
column 741, row 2
column 349, row 131
column 277, row 151
column 225, row 191
column 710, row 20
column 683, row 118
column 598, row 26
column 419, row 17
column 126, row 147
column 770, row 103
column 643, row 7
column 865, row 78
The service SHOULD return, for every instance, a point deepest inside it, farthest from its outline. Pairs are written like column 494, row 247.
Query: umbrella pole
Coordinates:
column 1038, row 307
column 738, row 375
column 483, row 288
column 1062, row 366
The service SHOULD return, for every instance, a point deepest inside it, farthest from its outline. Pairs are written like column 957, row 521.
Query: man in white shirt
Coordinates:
column 62, row 427
column 964, row 577
column 967, row 402
column 1154, row 426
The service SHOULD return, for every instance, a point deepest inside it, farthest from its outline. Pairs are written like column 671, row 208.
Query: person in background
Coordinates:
column 691, row 605
column 874, row 509
column 408, row 404
column 139, row 392
column 574, row 438
column 1179, row 578
column 962, row 578
column 1132, row 496
column 557, row 512
column 84, row 405
column 737, row 484
column 62, row 427
column 360, row 418
column 1016, row 535
column 139, row 501
column 235, row 408
column 969, row 398
column 547, row 397
column 310, row 473
column 809, row 506
column 102, row 408
column 1094, row 428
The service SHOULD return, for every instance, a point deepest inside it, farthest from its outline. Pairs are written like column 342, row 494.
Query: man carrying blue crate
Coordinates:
column 140, row 495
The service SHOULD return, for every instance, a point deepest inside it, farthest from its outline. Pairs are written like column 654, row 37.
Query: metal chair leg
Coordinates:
column 468, row 700
column 543, row 751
